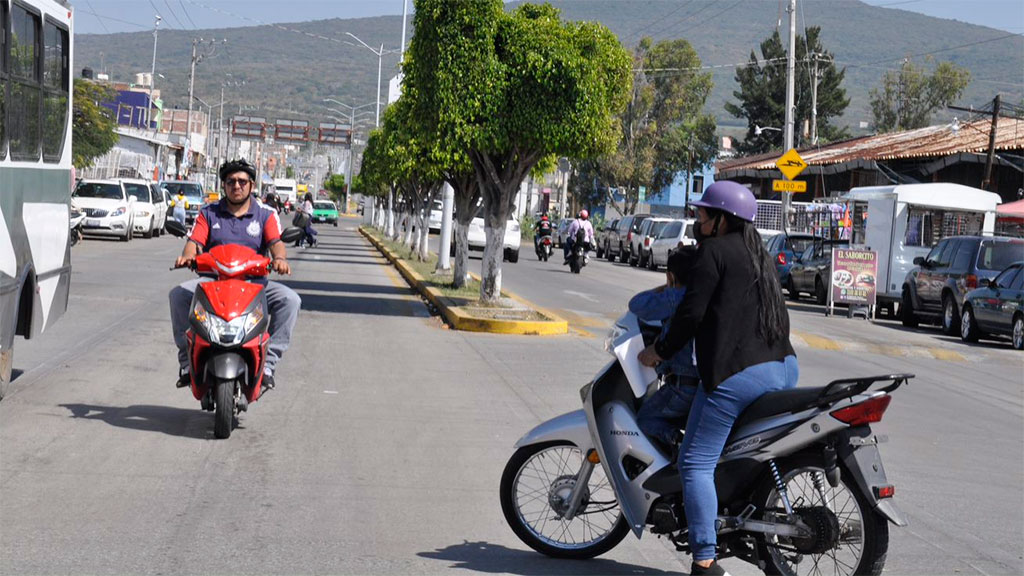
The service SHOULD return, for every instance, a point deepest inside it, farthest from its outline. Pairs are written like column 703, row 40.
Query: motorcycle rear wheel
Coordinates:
column 539, row 475
column 224, row 412
column 863, row 535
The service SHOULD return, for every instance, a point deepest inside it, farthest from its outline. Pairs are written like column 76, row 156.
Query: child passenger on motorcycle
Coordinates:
column 663, row 415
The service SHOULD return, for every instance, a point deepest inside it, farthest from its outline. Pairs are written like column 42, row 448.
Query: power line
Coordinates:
column 637, row 33
column 1003, row 37
column 157, row 10
column 111, row 18
column 183, row 9
column 173, row 15
column 98, row 19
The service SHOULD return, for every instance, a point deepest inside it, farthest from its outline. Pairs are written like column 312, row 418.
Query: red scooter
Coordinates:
column 228, row 330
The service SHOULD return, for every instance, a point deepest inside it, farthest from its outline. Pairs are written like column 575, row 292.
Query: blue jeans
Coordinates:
column 664, row 414
column 707, row 429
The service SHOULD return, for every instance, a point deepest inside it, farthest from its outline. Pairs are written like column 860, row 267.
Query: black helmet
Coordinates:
column 240, row 165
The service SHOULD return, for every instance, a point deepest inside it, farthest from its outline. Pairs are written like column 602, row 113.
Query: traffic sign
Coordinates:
column 791, row 164
column 789, row 186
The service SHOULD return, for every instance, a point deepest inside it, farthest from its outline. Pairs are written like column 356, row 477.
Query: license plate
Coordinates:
column 320, row 218
column 92, row 222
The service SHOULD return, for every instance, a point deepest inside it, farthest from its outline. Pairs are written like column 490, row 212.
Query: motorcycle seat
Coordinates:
column 772, row 403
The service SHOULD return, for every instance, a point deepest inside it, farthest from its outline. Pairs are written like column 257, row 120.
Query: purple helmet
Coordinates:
column 730, row 197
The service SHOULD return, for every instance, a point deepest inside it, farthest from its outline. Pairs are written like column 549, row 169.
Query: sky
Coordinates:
column 108, row 16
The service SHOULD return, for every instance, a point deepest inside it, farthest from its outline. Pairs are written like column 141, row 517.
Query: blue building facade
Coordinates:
column 674, row 196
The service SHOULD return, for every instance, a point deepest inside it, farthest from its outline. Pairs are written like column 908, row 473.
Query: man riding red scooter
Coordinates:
column 231, row 331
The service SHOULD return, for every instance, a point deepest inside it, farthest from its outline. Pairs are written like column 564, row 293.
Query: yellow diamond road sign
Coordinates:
column 791, row 164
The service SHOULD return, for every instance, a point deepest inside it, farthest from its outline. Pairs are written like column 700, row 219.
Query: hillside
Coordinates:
column 288, row 71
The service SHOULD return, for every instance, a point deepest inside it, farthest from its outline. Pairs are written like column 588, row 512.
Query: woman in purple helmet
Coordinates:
column 736, row 315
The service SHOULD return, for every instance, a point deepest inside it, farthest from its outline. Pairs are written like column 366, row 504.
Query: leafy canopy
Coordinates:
column 906, row 99
column 92, row 125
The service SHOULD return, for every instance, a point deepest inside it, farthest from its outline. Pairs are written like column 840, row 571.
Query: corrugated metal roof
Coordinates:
column 930, row 142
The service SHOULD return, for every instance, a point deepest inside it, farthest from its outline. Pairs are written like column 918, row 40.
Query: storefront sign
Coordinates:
column 853, row 276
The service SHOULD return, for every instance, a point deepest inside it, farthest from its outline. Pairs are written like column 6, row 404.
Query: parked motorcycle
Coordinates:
column 228, row 329
column 800, row 483
column 543, row 248
column 75, row 220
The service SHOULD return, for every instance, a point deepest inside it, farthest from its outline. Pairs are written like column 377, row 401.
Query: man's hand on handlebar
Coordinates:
column 185, row 262
column 280, row 265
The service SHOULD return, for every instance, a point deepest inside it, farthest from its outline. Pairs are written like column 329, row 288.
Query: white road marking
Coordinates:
column 582, row 295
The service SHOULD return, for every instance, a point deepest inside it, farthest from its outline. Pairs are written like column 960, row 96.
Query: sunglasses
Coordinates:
column 241, row 182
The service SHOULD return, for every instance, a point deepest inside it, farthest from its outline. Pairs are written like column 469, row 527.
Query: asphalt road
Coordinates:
column 381, row 449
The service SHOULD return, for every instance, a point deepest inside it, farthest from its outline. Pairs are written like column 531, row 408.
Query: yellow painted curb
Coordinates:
column 459, row 318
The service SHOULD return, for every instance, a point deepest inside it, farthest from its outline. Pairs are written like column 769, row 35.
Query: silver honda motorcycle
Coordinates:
column 800, row 483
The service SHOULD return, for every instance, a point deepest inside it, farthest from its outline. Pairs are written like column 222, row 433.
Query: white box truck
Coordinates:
column 285, row 189
column 902, row 222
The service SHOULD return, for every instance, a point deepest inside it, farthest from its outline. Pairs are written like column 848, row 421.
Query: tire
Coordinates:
column 574, row 265
column 907, row 316
column 968, row 326
column 623, row 256
column 224, row 414
column 510, row 480
column 651, row 263
column 867, row 558
column 599, row 251
column 128, row 234
column 513, row 257
column 794, row 295
column 950, row 324
column 1018, row 332
column 820, row 294
column 149, row 233
column 608, row 254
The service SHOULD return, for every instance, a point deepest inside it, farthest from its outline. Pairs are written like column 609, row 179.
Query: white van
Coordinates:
column 902, row 222
column 286, row 190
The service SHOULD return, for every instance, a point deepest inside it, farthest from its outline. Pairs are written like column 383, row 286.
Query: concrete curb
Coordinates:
column 458, row 318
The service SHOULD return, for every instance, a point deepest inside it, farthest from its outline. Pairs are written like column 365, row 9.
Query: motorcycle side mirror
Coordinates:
column 291, row 234
column 176, row 229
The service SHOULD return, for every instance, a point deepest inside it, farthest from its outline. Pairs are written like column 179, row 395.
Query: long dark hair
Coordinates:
column 773, row 317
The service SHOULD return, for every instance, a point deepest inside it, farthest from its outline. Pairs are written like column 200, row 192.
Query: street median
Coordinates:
column 460, row 308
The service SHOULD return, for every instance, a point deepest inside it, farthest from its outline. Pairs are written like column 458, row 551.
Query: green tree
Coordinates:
column 762, row 93
column 289, row 172
column 92, row 128
column 509, row 90
column 906, row 98
column 664, row 127
column 335, row 184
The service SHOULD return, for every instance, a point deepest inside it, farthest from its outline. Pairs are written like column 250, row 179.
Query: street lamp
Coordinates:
column 380, row 56
column 152, row 71
column 351, row 127
column 758, row 129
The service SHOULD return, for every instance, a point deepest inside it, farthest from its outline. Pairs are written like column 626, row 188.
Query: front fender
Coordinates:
column 571, row 427
column 227, row 366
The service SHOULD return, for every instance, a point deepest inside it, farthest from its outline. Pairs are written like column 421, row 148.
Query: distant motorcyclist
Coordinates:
column 237, row 219
column 541, row 228
column 582, row 222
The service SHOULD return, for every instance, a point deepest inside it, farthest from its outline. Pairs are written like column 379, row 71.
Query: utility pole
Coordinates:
column 152, row 72
column 986, row 183
column 405, row 16
column 197, row 57
column 814, row 99
column 790, row 104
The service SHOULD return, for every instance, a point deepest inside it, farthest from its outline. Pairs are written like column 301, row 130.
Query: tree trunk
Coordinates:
column 460, row 267
column 390, row 224
column 407, row 239
column 494, row 248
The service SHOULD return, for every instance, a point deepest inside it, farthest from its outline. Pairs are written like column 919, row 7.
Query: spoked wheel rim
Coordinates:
column 1018, row 333
column 544, row 482
column 947, row 314
column 965, row 324
column 845, row 554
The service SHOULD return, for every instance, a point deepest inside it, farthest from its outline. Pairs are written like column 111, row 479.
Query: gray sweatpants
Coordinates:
column 284, row 310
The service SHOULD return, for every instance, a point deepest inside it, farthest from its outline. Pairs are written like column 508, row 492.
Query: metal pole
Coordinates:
column 152, row 73
column 188, row 117
column 220, row 127
column 444, row 249
column 814, row 100
column 986, row 184
column 790, row 88
column 380, row 61
column 351, row 157
column 405, row 16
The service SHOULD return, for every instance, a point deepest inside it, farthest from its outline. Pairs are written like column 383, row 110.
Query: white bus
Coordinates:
column 35, row 169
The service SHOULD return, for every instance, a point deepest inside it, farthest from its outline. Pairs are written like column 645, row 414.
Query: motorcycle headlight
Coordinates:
column 614, row 334
column 227, row 333
column 118, row 212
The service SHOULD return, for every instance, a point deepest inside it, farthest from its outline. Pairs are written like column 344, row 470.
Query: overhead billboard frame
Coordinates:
column 249, row 128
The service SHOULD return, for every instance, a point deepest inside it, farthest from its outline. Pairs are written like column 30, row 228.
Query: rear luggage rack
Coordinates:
column 845, row 388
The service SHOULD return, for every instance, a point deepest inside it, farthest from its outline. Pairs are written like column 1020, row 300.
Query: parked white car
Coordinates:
column 109, row 211
column 513, row 237
column 668, row 239
column 649, row 230
column 147, row 213
column 435, row 216
column 162, row 202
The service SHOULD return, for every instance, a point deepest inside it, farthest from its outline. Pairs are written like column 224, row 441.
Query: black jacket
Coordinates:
column 721, row 312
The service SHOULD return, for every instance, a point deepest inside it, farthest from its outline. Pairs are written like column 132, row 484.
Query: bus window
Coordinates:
column 25, row 92
column 55, row 84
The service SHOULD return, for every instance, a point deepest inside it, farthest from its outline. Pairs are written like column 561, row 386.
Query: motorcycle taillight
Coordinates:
column 864, row 413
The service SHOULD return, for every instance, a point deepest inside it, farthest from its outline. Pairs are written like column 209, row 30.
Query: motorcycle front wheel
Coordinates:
column 535, row 488
column 851, row 538
column 224, row 414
